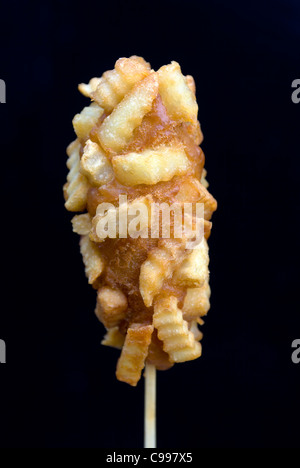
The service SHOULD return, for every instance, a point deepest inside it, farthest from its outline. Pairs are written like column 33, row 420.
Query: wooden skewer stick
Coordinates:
column 150, row 407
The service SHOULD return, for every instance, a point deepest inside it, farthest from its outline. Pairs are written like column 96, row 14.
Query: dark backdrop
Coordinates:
column 58, row 387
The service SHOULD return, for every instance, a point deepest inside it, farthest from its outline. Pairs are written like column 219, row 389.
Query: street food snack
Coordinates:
column 135, row 168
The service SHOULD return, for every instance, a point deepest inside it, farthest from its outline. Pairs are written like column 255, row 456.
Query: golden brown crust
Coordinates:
column 113, row 338
column 196, row 302
column 92, row 259
column 140, row 137
column 156, row 355
column 118, row 127
column 134, row 353
column 178, row 341
column 116, row 83
column 111, row 306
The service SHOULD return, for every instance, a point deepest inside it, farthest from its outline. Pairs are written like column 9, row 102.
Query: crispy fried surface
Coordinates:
column 134, row 353
column 140, row 137
column 111, row 306
column 156, row 355
column 178, row 341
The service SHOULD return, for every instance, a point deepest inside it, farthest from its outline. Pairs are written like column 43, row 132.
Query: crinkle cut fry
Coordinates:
column 178, row 341
column 111, row 306
column 82, row 224
column 113, row 338
column 76, row 187
column 176, row 93
column 95, row 165
column 92, row 259
column 116, row 83
column 151, row 166
column 134, row 353
column 86, row 120
column 159, row 266
column 88, row 89
column 196, row 302
column 117, row 129
column 193, row 271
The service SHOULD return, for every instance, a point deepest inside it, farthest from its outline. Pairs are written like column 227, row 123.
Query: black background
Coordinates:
column 58, row 388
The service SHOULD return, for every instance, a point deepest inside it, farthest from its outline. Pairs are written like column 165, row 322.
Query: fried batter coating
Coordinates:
column 140, row 138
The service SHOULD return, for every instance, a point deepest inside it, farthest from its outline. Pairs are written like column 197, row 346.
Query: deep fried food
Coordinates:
column 137, row 148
